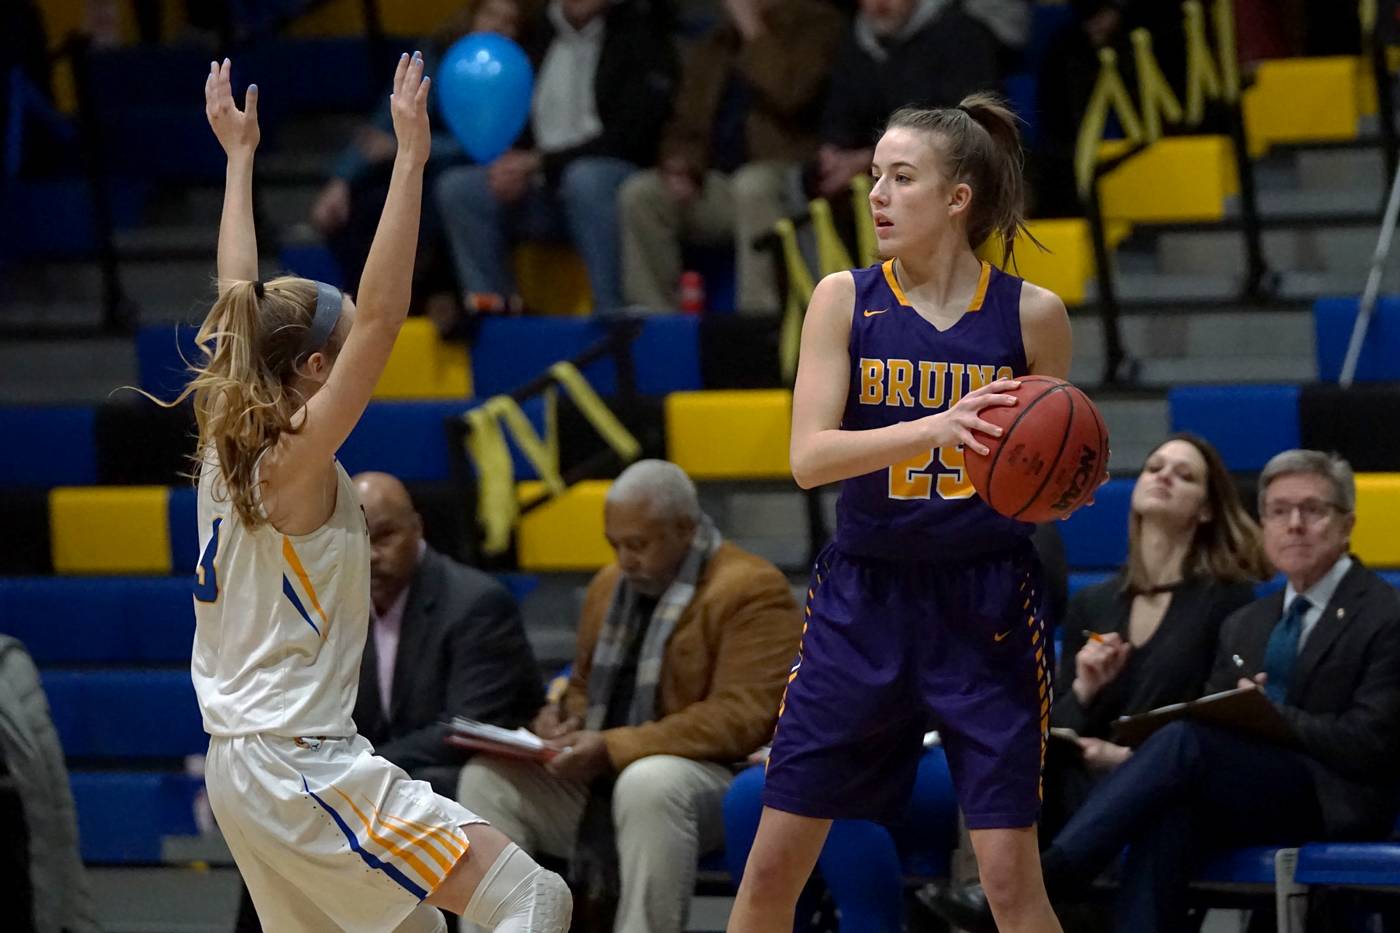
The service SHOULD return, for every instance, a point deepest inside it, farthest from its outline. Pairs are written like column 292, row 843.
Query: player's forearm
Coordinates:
column 832, row 455
column 388, row 275
column 238, row 240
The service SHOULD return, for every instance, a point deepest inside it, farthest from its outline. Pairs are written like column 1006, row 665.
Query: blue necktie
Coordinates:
column 1282, row 652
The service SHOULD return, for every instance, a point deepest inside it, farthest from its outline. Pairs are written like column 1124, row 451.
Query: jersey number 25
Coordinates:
column 910, row 479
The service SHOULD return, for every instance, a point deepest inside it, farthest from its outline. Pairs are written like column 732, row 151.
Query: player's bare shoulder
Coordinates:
column 1045, row 331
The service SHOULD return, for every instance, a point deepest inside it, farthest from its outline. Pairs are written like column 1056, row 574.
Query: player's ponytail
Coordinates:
column 981, row 144
column 251, row 344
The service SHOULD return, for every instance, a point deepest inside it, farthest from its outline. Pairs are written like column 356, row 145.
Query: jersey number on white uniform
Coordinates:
column 206, row 577
column 909, row 479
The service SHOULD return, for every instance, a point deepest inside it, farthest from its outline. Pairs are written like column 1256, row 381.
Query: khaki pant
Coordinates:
column 737, row 208
column 667, row 810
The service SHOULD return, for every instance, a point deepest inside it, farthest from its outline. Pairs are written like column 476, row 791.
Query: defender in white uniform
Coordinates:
column 326, row 834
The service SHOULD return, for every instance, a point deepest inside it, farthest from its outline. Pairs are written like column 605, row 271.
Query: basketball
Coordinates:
column 1052, row 453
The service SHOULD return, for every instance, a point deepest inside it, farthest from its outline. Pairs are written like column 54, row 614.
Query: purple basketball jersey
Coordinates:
column 903, row 368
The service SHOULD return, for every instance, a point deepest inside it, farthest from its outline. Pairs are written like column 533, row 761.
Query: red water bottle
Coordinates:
column 692, row 298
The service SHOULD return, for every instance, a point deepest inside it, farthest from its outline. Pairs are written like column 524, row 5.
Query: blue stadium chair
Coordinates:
column 99, row 620
column 48, row 446
column 519, row 584
column 1380, row 354
column 407, row 439
column 184, row 530
column 123, row 816
column 1080, row 579
column 312, row 261
column 1248, row 424
column 509, row 352
column 1096, row 537
column 161, row 354
column 1350, row 864
column 53, row 217
column 125, row 714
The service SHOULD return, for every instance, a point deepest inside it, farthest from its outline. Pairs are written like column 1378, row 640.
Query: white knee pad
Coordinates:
column 518, row 896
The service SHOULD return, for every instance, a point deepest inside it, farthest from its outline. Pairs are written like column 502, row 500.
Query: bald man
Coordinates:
column 445, row 640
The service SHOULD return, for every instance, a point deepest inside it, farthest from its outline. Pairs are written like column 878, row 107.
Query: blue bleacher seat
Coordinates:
column 407, row 439
column 100, row 620
column 1096, row 537
column 509, row 352
column 53, row 217
column 48, row 446
column 1380, row 354
column 161, row 352
column 1248, row 424
column 123, row 816
column 519, row 584
column 1252, row 865
column 1079, row 580
column 1350, row 864
column 184, row 530
column 125, row 714
column 312, row 261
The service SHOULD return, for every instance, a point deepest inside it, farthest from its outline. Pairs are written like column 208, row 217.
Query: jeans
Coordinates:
column 581, row 208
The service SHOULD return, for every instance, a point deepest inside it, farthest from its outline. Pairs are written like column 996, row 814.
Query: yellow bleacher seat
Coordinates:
column 552, row 280
column 1176, row 179
column 1377, row 516
column 423, row 366
column 565, row 534
column 1305, row 100
column 345, row 18
column 741, row 434
column 110, row 529
column 1066, row 264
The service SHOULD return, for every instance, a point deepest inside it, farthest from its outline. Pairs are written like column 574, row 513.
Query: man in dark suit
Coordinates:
column 1326, row 651
column 445, row 640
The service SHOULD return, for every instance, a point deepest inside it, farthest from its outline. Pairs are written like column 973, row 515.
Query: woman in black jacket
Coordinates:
column 1193, row 555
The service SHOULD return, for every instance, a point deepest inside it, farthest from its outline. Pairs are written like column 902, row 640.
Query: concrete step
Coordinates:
column 166, row 899
column 78, row 371
column 1340, row 250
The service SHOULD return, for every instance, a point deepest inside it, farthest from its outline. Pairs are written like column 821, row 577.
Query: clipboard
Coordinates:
column 493, row 740
column 1244, row 709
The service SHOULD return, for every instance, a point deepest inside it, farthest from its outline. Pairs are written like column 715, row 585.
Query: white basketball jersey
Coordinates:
column 280, row 620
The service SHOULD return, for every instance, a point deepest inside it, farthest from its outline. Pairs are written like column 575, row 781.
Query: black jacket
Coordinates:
column 633, row 87
column 462, row 652
column 939, row 65
column 1343, row 697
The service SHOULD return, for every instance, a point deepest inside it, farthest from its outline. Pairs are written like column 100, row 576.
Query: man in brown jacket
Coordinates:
column 683, row 650
column 746, row 118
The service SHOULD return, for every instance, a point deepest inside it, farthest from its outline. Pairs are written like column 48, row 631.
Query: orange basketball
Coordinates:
column 1050, row 457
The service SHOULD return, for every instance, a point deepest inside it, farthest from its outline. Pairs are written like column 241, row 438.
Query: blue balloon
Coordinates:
column 485, row 84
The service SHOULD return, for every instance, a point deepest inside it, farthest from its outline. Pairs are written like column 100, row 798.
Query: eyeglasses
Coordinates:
column 1313, row 511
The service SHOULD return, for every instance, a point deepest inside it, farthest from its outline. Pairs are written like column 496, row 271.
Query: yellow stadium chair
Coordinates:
column 1377, row 517
column 1176, row 179
column 423, row 366
column 740, row 434
column 110, row 529
column 566, row 533
column 345, row 18
column 1305, row 100
column 552, row 280
column 1066, row 264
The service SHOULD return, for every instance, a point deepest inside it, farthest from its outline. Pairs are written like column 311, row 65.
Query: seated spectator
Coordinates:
column 1193, row 553
column 444, row 640
column 605, row 75
column 683, row 650
column 346, row 211
column 1326, row 652
column 861, row 862
column 46, row 888
column 744, row 123
column 916, row 53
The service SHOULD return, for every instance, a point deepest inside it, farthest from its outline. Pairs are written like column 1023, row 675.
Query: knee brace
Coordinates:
column 518, row 896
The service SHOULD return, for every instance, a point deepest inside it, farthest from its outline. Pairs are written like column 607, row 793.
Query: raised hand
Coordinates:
column 408, row 106
column 1098, row 664
column 237, row 130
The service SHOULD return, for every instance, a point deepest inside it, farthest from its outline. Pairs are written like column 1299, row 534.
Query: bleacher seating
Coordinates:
column 1248, row 424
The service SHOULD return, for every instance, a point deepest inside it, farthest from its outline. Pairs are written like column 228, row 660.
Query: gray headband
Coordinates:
column 328, row 305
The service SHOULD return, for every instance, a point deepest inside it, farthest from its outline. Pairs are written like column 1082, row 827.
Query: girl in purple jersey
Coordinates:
column 925, row 609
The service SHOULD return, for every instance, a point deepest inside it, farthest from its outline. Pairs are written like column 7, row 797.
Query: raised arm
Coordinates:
column 821, row 451
column 237, row 131
column 384, row 286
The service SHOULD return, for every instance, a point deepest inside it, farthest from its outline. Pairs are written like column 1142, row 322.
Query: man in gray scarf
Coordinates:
column 683, row 650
